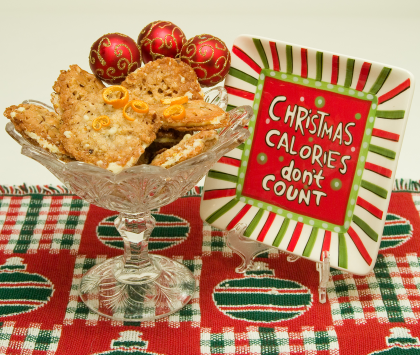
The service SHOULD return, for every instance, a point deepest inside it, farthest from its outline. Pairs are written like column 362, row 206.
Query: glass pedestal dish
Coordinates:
column 138, row 286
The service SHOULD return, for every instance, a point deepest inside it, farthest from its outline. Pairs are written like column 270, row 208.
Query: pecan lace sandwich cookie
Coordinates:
column 111, row 138
column 163, row 78
column 189, row 147
column 74, row 85
column 194, row 115
column 39, row 126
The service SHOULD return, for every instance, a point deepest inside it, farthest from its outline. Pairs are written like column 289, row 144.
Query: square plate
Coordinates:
column 317, row 172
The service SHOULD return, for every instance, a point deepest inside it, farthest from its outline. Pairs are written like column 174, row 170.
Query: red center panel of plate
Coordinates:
column 307, row 164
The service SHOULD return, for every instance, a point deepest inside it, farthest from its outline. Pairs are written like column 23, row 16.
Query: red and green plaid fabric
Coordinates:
column 49, row 238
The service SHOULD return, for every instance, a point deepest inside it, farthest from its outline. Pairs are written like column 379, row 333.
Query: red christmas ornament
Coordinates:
column 160, row 39
column 113, row 56
column 208, row 56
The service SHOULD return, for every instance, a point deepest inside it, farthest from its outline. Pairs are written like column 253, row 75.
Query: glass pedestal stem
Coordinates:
column 136, row 267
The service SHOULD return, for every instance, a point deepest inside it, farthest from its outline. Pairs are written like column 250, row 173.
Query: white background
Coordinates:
column 41, row 37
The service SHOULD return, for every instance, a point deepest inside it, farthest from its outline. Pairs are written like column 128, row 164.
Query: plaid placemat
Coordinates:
column 49, row 238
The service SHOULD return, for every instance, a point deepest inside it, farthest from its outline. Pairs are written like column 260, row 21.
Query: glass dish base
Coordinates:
column 137, row 300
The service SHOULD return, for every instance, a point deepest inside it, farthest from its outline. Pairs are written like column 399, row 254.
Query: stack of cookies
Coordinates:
column 156, row 116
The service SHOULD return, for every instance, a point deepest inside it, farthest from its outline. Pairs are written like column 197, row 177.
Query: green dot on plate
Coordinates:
column 357, row 116
column 310, row 139
column 281, row 158
column 262, row 158
column 336, row 184
column 319, row 102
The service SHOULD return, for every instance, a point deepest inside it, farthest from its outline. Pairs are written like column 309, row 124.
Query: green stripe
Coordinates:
column 382, row 151
column 388, row 288
column 8, row 277
column 366, row 228
column 377, row 190
column 394, row 114
column 289, row 59
column 261, row 52
column 243, row 76
column 29, row 224
column 319, row 60
column 380, row 80
column 265, row 299
column 311, row 242
column 349, row 72
column 281, row 232
column 254, row 223
column 25, row 293
column 222, row 176
column 241, row 146
column 342, row 251
column 230, row 107
column 8, row 310
column 221, row 211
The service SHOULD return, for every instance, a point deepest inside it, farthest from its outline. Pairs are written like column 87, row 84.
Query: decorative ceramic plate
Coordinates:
column 317, row 172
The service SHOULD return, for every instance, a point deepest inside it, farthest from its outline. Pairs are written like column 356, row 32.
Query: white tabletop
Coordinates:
column 39, row 38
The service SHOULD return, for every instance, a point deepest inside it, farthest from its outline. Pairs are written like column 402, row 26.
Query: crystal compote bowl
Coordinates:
column 139, row 286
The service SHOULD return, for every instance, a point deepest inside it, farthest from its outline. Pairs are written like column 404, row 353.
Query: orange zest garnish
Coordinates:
column 176, row 112
column 99, row 122
column 136, row 106
column 116, row 95
column 139, row 106
column 175, row 100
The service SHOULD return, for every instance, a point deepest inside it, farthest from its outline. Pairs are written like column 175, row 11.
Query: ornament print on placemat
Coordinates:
column 170, row 230
column 261, row 297
column 397, row 231
column 129, row 342
column 21, row 291
column 400, row 342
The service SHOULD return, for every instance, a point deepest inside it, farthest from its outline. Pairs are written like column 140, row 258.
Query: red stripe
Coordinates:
column 238, row 217
column 378, row 169
column 393, row 237
column 230, row 161
column 334, row 69
column 248, row 60
column 304, row 60
column 241, row 93
column 364, row 73
column 21, row 302
column 394, row 92
column 266, row 227
column 359, row 245
column 394, row 222
column 369, row 207
column 24, row 284
column 213, row 194
column 326, row 244
column 295, row 237
column 275, row 56
column 385, row 135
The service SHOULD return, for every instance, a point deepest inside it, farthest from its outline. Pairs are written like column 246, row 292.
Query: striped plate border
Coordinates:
column 354, row 249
